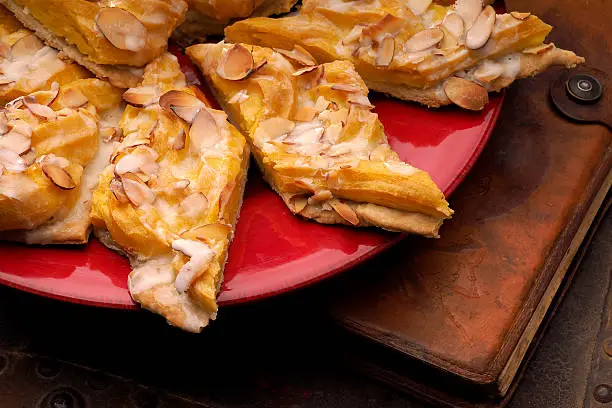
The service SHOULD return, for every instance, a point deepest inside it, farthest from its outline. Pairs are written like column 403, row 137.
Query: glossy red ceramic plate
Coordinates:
column 273, row 251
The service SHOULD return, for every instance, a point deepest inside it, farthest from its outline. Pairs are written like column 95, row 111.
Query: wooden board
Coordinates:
column 465, row 309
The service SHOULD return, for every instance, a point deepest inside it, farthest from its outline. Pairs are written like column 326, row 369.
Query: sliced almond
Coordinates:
column 6, row 81
column 116, row 187
column 478, row 35
column 386, row 52
column 488, row 71
column 58, row 176
column 39, row 110
column 236, row 64
column 305, row 114
column 520, row 16
column 16, row 142
column 313, row 75
column 4, row 127
column 182, row 104
column 468, row 10
column 540, row 49
column 305, row 184
column 449, row 42
column 360, row 100
column 26, row 46
column 73, row 98
column 389, row 24
column 108, row 133
column 204, row 132
column 454, row 24
column 320, row 196
column 423, row 40
column 29, row 157
column 305, row 70
column 298, row 202
column 346, row 88
column 179, row 140
column 210, row 233
column 46, row 97
column 418, row 7
column 141, row 96
column 11, row 161
column 298, row 55
column 122, row 29
column 194, row 205
column 272, row 128
column 137, row 192
column 345, row 211
column 466, row 94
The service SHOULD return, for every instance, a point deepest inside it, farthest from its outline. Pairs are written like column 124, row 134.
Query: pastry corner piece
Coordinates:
column 417, row 50
column 316, row 140
column 170, row 197
column 114, row 40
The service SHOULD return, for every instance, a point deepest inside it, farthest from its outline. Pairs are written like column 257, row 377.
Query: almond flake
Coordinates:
column 26, row 46
column 116, row 187
column 520, row 16
column 11, row 161
column 122, row 29
column 58, row 176
column 4, row 127
column 454, row 24
column 313, row 75
column 488, row 71
column 389, row 24
column 194, row 205
column 271, row 129
column 386, row 52
column 478, row 35
column 204, row 132
column 466, row 94
column 418, row 7
column 73, row 98
column 360, row 100
column 182, row 104
column 108, row 133
column 540, row 49
column 137, row 192
column 345, row 211
column 346, row 88
column 179, row 140
column 298, row 55
column 16, row 142
column 424, row 40
column 298, row 202
column 305, row 114
column 305, row 70
column 141, row 96
column 46, row 97
column 39, row 110
column 236, row 64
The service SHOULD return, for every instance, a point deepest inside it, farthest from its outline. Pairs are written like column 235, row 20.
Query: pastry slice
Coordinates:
column 316, row 140
column 51, row 151
column 416, row 50
column 170, row 198
column 210, row 17
column 26, row 64
column 113, row 39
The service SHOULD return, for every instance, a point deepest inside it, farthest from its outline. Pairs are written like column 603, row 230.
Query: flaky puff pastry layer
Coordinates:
column 210, row 17
column 411, row 49
column 26, row 64
column 316, row 140
column 170, row 198
column 50, row 155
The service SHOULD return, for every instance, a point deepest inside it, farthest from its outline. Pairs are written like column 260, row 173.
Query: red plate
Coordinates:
column 273, row 251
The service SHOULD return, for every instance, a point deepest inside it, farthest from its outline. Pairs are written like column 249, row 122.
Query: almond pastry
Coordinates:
column 170, row 198
column 26, row 64
column 412, row 49
column 113, row 39
column 210, row 17
column 51, row 153
column 316, row 140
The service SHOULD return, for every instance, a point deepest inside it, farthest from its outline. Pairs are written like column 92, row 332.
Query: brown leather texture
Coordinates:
column 462, row 302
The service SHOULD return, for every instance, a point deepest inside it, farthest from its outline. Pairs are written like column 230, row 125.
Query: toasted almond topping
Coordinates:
column 137, row 192
column 540, row 49
column 345, row 211
column 116, row 187
column 15, row 141
column 272, row 128
column 313, row 75
column 4, row 127
column 73, row 98
column 258, row 66
column 194, row 205
column 389, row 24
column 26, row 46
column 58, row 176
column 449, row 42
column 122, row 29
column 454, row 24
column 179, row 140
column 6, row 81
column 346, row 88
column 204, row 131
column 478, row 35
column 418, row 7
column 298, row 202
column 488, row 71
column 386, row 52
column 182, row 104
column 520, row 16
column 305, row 114
column 46, row 97
column 298, row 55
column 305, row 70
column 468, row 10
column 11, row 161
column 29, row 157
column 424, row 39
column 466, row 94
column 39, row 110
column 141, row 96
column 236, row 64
column 305, row 184
column 211, row 233
column 108, row 133
column 319, row 196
